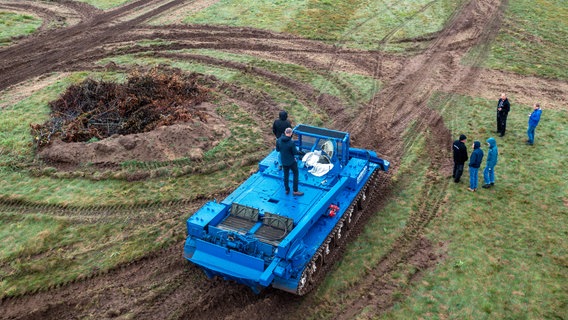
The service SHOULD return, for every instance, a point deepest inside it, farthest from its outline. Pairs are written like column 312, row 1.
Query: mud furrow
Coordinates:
column 51, row 52
column 331, row 105
column 417, row 75
column 379, row 279
column 398, row 119
column 162, row 285
column 54, row 14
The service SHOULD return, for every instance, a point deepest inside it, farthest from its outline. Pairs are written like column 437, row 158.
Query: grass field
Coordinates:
column 533, row 39
column 15, row 24
column 39, row 255
column 506, row 249
column 352, row 88
column 47, row 250
column 505, row 256
column 361, row 24
column 105, row 4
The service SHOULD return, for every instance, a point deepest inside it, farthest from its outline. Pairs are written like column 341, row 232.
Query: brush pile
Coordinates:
column 94, row 110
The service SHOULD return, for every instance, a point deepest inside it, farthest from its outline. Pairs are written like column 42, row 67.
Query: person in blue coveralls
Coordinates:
column 489, row 171
column 534, row 118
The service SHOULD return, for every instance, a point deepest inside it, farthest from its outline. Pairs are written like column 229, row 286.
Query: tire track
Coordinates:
column 51, row 52
column 417, row 94
column 160, row 285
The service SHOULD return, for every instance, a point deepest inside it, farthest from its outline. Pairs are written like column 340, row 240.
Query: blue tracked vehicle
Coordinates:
column 260, row 236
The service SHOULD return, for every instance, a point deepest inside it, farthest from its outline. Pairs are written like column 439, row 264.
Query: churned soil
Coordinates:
column 89, row 35
column 166, row 143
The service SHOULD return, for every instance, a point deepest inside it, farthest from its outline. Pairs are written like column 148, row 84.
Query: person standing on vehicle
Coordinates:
column 503, row 108
column 288, row 150
column 278, row 128
column 534, row 118
column 474, row 164
column 460, row 157
column 280, row 124
column 489, row 171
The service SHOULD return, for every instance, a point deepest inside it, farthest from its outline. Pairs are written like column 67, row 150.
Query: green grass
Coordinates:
column 15, row 119
column 244, row 138
column 381, row 231
column 105, row 4
column 507, row 255
column 16, row 155
column 15, row 24
column 43, row 251
column 533, row 39
column 353, row 88
column 506, row 251
column 356, row 23
column 46, row 249
column 288, row 100
column 261, row 14
column 19, row 185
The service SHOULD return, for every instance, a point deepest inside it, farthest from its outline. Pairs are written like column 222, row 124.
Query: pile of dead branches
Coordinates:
column 94, row 110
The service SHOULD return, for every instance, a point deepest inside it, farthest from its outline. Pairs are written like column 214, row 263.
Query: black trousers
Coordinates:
column 458, row 171
column 294, row 169
column 501, row 123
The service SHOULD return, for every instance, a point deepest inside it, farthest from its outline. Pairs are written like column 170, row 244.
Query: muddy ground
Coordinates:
column 188, row 139
column 91, row 34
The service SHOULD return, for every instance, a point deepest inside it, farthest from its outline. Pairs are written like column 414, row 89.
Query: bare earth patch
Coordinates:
column 551, row 94
column 166, row 143
column 163, row 285
column 26, row 89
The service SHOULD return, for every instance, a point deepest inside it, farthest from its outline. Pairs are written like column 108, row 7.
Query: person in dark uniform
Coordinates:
column 288, row 150
column 503, row 108
column 460, row 157
column 278, row 128
column 281, row 124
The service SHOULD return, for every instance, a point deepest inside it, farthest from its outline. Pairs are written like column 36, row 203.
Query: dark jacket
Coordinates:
column 281, row 124
column 505, row 107
column 476, row 155
column 460, row 152
column 493, row 153
column 535, row 117
column 287, row 149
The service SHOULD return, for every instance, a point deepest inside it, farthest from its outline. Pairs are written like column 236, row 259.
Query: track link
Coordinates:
column 333, row 246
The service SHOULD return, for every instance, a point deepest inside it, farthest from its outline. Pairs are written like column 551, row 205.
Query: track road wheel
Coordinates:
column 306, row 283
column 363, row 201
column 310, row 274
column 349, row 217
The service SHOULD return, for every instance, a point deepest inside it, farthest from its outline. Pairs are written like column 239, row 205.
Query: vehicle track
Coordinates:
column 50, row 52
column 55, row 15
column 162, row 284
column 425, row 120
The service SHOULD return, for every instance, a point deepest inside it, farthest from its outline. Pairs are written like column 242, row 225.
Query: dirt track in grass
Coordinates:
column 163, row 284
